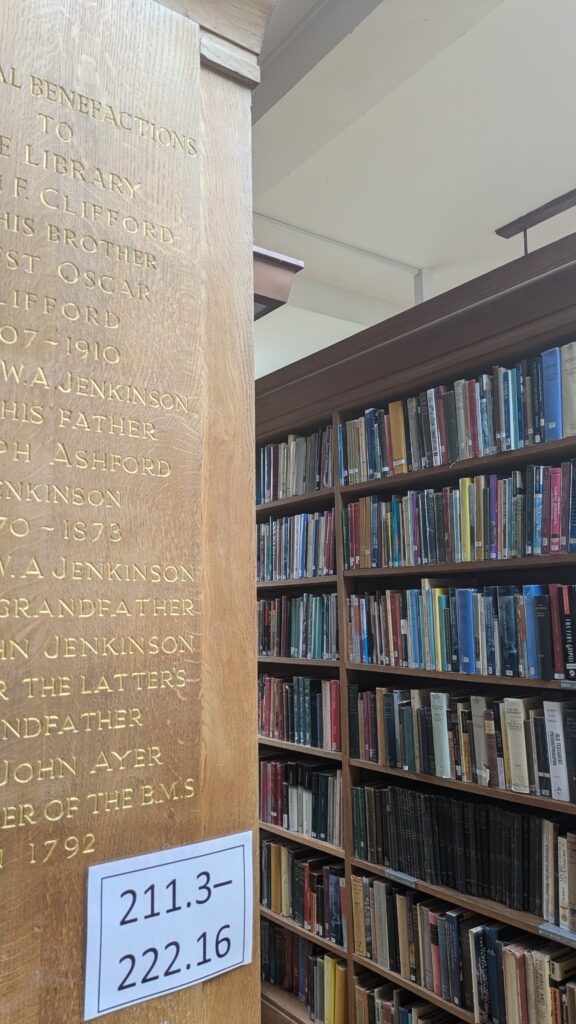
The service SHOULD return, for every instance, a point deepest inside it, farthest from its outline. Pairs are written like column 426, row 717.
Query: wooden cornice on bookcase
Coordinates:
column 240, row 21
column 518, row 308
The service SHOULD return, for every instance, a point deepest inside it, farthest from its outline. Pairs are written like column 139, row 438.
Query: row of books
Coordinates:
column 295, row 547
column 300, row 710
column 305, row 887
column 510, row 408
column 517, row 743
column 379, row 1002
column 473, row 846
column 477, row 519
column 513, row 631
column 303, row 798
column 490, row 969
column 299, row 465
column 299, row 627
column 317, row 978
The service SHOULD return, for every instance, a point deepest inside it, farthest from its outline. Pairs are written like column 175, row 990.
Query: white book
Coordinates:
column 478, row 707
column 459, row 388
column 554, row 718
column 439, row 714
column 516, row 710
column 568, row 367
column 563, row 899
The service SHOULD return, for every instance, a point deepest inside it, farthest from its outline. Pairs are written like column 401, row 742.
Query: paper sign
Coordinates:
column 167, row 920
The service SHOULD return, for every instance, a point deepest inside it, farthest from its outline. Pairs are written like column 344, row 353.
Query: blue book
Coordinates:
column 552, row 383
column 374, row 532
column 532, row 666
column 494, row 936
column 431, row 631
column 507, row 432
column 445, row 654
column 465, row 619
column 521, row 387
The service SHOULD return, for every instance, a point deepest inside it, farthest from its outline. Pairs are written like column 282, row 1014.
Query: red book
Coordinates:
column 555, row 509
column 435, row 950
column 546, row 511
column 557, row 648
column 441, row 422
column 335, row 714
column 565, row 507
column 265, row 724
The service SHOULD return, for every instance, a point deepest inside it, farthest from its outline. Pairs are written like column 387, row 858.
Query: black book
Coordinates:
column 440, row 527
column 427, row 436
column 451, row 426
column 544, row 636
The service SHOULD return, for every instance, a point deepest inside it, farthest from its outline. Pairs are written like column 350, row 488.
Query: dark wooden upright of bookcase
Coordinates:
column 508, row 314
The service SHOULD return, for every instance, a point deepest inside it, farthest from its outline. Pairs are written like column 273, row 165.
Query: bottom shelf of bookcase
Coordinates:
column 418, row 990
column 280, row 1007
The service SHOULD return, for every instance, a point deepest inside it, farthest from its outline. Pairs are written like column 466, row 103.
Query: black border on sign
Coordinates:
column 189, row 984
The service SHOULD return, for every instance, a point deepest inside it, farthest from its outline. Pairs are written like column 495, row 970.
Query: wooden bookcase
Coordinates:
column 513, row 312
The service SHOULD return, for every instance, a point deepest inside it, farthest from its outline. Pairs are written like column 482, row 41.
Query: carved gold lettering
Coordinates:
column 120, row 572
column 91, row 244
column 54, row 494
column 17, row 816
column 30, row 727
column 108, row 462
column 4, row 146
column 11, row 650
column 161, row 793
column 77, row 170
column 71, row 274
column 105, row 113
column 16, row 223
column 25, row 772
column 113, row 800
column 137, row 757
column 116, row 425
column 8, row 76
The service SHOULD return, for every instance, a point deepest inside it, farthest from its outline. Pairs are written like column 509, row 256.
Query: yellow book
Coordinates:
column 329, row 989
column 399, row 460
column 479, row 487
column 340, row 994
column 285, row 911
column 436, row 593
column 464, row 488
column 358, row 915
column 276, row 872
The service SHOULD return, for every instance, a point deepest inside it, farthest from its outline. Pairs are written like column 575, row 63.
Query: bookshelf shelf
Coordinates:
column 519, row 918
column 418, row 990
column 311, row 662
column 280, row 1005
column 494, row 565
column 299, row 503
column 539, row 454
column 504, row 318
column 298, row 748
column 305, row 583
column 297, row 837
column 560, row 806
column 461, row 677
column 286, row 922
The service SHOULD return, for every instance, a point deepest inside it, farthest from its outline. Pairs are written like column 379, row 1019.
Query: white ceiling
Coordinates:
column 427, row 124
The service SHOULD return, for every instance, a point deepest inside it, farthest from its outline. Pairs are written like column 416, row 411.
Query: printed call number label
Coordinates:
column 167, row 920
